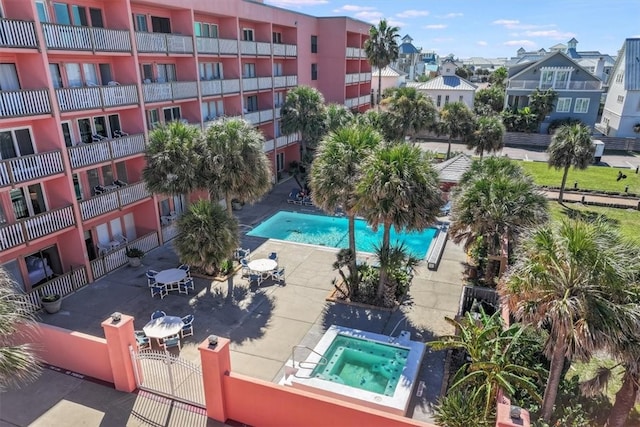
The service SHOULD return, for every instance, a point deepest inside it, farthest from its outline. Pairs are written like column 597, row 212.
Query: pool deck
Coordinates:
column 264, row 324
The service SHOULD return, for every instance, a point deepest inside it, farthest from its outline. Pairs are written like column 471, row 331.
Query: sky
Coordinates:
column 491, row 28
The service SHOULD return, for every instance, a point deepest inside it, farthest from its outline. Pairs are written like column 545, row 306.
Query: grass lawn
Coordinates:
column 593, row 178
column 627, row 219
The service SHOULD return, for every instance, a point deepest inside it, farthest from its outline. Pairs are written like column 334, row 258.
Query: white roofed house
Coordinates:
column 447, row 87
column 391, row 77
column 621, row 114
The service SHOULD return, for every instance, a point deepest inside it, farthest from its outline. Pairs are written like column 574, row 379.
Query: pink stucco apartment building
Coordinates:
column 83, row 81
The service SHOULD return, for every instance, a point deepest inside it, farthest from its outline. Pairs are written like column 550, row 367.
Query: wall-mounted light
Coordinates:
column 116, row 317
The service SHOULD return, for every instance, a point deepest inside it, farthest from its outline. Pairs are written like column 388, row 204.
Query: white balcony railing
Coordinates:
column 35, row 166
column 11, row 235
column 98, row 152
column 279, row 81
column 253, row 117
column 265, row 83
column 127, row 146
column 169, row 232
column 278, row 49
column 156, row 92
column 268, row 146
column 87, row 98
column 107, row 40
column 230, row 86
column 266, row 115
column 151, row 42
column 211, row 87
column 365, row 77
column 49, row 222
column 248, row 48
column 119, row 95
column 282, row 141
column 228, row 46
column 183, row 90
column 118, row 257
column 572, row 85
column 113, row 200
column 207, row 45
column 72, row 37
column 291, row 50
column 351, row 78
column 263, row 48
column 179, row 44
column 132, row 193
column 292, row 81
column 249, row 84
column 17, row 103
column 14, row 33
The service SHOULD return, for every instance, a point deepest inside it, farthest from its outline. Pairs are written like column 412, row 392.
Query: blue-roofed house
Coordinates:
column 578, row 90
column 408, row 57
column 621, row 114
column 447, row 87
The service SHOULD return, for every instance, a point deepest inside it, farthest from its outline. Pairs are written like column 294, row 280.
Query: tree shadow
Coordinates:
column 588, row 216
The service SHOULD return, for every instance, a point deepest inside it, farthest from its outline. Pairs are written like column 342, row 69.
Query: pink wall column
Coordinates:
column 216, row 363
column 119, row 337
column 503, row 418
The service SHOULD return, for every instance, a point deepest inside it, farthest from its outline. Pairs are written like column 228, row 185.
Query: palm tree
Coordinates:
column 628, row 352
column 335, row 173
column 570, row 146
column 18, row 362
column 382, row 49
column 208, row 235
column 338, row 116
column 499, row 76
column 488, row 135
column 304, row 111
column 382, row 121
column 456, row 121
column 495, row 201
column 572, row 278
column 241, row 170
column 173, row 160
column 411, row 111
column 399, row 188
column 491, row 352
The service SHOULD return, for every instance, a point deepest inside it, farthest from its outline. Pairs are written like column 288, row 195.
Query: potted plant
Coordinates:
column 51, row 303
column 135, row 256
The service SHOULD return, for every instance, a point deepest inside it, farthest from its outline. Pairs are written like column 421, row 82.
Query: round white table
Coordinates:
column 262, row 265
column 163, row 327
column 172, row 275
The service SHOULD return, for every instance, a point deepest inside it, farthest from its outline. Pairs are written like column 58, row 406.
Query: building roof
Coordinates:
column 447, row 83
column 407, row 49
column 388, row 71
column 631, row 53
column 452, row 170
column 516, row 71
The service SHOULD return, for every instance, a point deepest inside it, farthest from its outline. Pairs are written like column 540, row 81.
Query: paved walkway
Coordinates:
column 631, row 202
column 264, row 324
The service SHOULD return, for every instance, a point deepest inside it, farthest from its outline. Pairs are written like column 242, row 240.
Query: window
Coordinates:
column 620, row 99
column 581, row 105
column 166, row 73
column 147, row 73
column 27, row 201
column 277, row 68
column 100, row 126
column 247, row 34
column 212, row 109
column 79, row 75
column 314, row 44
column 153, row 118
column 43, row 265
column 56, row 77
column 563, row 105
column 61, row 13
column 439, row 101
column 84, row 127
column 278, row 99
column 66, row 133
column 251, row 103
column 446, row 99
column 9, row 77
column 314, row 71
column 280, row 162
column 121, row 172
column 202, row 29
column 619, row 77
column 96, row 17
column 140, row 22
column 160, row 25
column 248, row 70
column 276, row 37
column 171, row 114
column 460, row 98
column 562, row 78
column 43, row 15
column 276, row 129
column 114, row 124
column 77, row 187
column 210, row 70
column 15, row 143
column 546, row 79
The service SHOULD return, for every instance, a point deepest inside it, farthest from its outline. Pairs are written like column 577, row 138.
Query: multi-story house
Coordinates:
column 447, row 87
column 621, row 114
column 82, row 83
column 578, row 90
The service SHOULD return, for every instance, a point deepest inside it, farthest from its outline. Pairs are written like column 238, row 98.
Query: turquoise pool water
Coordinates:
column 333, row 231
column 367, row 365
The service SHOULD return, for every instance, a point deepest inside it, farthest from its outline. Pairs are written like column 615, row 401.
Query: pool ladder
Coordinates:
column 309, row 365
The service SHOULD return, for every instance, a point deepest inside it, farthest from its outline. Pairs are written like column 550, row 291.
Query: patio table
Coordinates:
column 171, row 278
column 262, row 265
column 163, row 327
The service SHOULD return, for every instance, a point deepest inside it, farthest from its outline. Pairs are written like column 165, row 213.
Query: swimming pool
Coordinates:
column 333, row 231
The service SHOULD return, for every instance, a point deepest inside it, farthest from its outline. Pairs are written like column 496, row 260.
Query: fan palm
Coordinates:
column 174, row 159
column 338, row 116
column 399, row 188
column 487, row 135
column 382, row 121
column 18, row 362
column 304, row 111
column 335, row 173
column 381, row 49
column 411, row 111
column 208, row 235
column 572, row 278
column 570, row 146
column 456, row 121
column 242, row 169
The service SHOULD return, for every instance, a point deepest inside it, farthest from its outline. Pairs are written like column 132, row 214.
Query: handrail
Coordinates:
column 323, row 360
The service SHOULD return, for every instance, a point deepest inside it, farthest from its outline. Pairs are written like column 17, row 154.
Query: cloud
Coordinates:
column 442, row 39
column 506, row 22
column 482, row 43
column 395, row 23
column 451, row 15
column 522, row 43
column 297, row 3
column 412, row 13
column 345, row 8
column 434, row 27
column 514, row 24
column 554, row 34
column 369, row 15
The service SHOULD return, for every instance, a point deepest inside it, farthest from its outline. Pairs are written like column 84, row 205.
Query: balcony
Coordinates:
column 104, row 151
column 27, row 168
column 170, row 91
column 257, row 83
column 357, row 102
column 118, row 257
column 163, row 43
column 19, row 34
column 257, row 117
column 357, row 78
column 21, row 103
column 110, row 201
column 285, row 81
column 572, row 85
column 28, row 229
column 355, row 52
column 71, row 37
column 219, row 87
column 62, row 285
column 284, row 49
column 88, row 98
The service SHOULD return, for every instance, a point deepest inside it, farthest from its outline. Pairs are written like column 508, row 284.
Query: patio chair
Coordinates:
column 171, row 342
column 255, row 278
column 142, row 340
column 120, row 239
column 245, row 266
column 158, row 289
column 242, row 253
column 99, row 189
column 157, row 314
column 186, row 268
column 185, row 285
column 120, row 133
column 278, row 275
column 187, row 329
column 273, row 256
column 103, row 250
column 120, row 183
column 151, row 277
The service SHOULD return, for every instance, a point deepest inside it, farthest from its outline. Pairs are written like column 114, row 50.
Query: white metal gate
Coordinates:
column 168, row 375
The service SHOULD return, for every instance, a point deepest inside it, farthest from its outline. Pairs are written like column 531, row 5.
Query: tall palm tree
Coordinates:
column 628, row 353
column 173, row 159
column 411, row 111
column 208, row 235
column 382, row 121
column 487, row 135
column 570, row 146
column 19, row 363
column 399, row 188
column 338, row 116
column 243, row 170
column 495, row 200
column 335, row 173
column 456, row 121
column 381, row 49
column 304, row 111
column 572, row 279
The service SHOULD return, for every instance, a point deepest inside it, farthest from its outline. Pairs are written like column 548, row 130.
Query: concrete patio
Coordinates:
column 265, row 323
